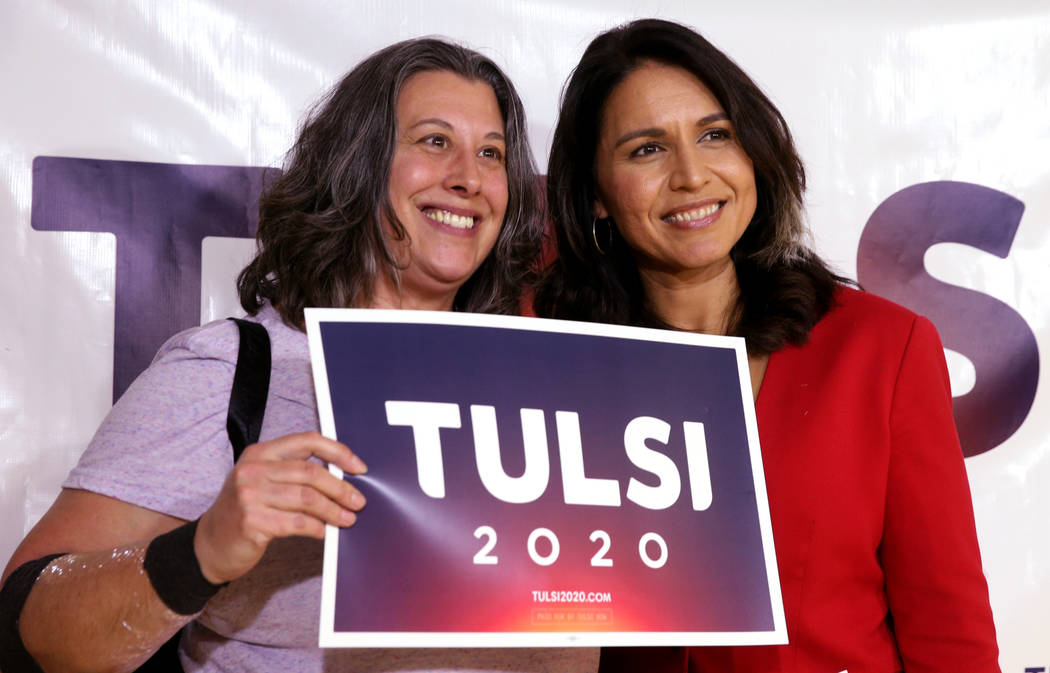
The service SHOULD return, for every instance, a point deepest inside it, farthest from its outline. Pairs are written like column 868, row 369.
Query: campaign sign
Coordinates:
column 542, row 483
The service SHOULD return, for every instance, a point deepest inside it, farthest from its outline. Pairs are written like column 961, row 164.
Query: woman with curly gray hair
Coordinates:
column 411, row 185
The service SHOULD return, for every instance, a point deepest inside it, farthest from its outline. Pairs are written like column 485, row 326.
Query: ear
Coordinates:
column 600, row 211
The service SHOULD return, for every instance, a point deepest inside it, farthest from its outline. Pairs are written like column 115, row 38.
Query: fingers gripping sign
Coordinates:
column 276, row 491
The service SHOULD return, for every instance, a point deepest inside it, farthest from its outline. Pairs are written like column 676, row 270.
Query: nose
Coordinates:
column 463, row 176
column 690, row 171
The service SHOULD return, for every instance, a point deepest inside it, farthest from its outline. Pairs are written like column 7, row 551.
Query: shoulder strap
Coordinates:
column 251, row 384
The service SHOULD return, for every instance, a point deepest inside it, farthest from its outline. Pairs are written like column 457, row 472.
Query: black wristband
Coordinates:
column 13, row 654
column 175, row 573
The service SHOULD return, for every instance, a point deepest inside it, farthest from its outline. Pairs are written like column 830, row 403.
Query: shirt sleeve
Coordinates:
column 164, row 446
column 937, row 591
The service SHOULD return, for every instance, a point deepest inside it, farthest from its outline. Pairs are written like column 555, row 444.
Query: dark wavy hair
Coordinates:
column 784, row 287
column 321, row 238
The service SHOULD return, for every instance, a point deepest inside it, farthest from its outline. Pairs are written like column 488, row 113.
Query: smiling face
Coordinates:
column 672, row 176
column 448, row 187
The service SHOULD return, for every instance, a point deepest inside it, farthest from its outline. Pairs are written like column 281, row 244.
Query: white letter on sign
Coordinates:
column 580, row 489
column 426, row 420
column 634, row 436
column 533, row 481
column 699, row 469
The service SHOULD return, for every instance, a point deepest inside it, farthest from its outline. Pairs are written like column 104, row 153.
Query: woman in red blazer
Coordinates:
column 676, row 195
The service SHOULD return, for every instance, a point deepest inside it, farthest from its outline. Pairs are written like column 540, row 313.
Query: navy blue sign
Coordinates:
column 543, row 482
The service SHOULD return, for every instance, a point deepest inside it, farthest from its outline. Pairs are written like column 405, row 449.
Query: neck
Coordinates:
column 699, row 301
column 388, row 294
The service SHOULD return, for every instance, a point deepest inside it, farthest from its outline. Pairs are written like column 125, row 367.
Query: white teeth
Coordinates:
column 451, row 219
column 697, row 214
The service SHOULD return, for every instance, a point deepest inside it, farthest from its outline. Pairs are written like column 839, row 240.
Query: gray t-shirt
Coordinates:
column 164, row 447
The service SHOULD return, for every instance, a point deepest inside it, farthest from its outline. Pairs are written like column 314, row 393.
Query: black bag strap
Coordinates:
column 165, row 659
column 251, row 385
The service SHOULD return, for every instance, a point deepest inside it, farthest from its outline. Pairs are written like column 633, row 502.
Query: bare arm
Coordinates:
column 98, row 600
column 95, row 610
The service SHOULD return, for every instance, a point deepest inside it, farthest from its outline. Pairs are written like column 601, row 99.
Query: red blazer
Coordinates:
column 870, row 504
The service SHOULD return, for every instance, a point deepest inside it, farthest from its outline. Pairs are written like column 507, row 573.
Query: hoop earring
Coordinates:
column 594, row 235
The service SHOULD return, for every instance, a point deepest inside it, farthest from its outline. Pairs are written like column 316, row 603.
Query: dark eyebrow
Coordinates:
column 640, row 133
column 432, row 120
column 655, row 132
column 437, row 121
column 713, row 117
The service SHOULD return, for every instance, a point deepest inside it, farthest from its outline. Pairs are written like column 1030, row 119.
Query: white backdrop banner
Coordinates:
column 925, row 130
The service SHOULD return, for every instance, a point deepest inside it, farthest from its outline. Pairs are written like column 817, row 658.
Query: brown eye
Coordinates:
column 716, row 134
column 492, row 153
column 645, row 150
column 435, row 140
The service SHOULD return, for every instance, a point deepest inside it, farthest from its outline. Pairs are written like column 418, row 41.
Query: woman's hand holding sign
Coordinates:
column 275, row 491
